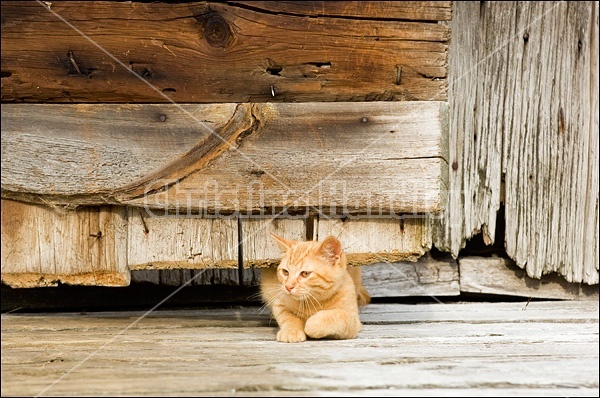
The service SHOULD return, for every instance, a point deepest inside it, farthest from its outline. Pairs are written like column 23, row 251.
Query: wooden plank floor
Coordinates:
column 483, row 349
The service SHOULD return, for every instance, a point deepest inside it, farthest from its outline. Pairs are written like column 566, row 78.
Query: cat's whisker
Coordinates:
column 316, row 300
column 310, row 300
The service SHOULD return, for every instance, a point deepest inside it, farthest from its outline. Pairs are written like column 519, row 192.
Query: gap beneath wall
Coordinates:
column 222, row 287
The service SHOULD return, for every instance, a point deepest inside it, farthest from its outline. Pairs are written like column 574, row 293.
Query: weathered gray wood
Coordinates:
column 400, row 350
column 380, row 157
column 370, row 241
column 336, row 159
column 426, row 277
column 224, row 52
column 158, row 241
column 523, row 97
column 496, row 275
column 259, row 248
column 42, row 246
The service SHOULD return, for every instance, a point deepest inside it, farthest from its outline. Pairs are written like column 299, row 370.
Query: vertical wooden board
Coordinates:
column 258, row 246
column 42, row 246
column 369, row 241
column 165, row 241
column 523, row 98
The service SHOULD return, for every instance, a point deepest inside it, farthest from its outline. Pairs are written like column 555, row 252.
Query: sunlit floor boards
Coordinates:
column 544, row 348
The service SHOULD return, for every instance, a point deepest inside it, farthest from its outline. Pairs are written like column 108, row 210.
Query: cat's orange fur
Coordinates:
column 313, row 293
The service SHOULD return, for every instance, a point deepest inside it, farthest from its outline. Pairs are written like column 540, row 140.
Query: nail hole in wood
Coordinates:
column 5, row 73
column 275, row 70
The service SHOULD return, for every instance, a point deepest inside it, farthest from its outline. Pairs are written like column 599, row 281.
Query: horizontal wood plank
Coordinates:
column 42, row 246
column 387, row 10
column 371, row 241
column 425, row 277
column 550, row 348
column 211, row 52
column 180, row 242
column 495, row 275
column 368, row 158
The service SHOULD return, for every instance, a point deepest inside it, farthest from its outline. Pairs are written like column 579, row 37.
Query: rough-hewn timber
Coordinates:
column 475, row 349
column 523, row 97
column 370, row 241
column 367, row 158
column 223, row 52
column 42, row 246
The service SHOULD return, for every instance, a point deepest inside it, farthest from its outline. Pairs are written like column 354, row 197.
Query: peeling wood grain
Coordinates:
column 524, row 129
column 42, row 246
column 211, row 52
column 495, row 275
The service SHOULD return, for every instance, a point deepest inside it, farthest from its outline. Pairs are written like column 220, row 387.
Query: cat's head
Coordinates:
column 311, row 268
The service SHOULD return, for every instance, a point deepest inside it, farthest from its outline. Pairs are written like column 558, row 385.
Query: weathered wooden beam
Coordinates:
column 370, row 241
column 42, row 246
column 223, row 52
column 425, row 277
column 382, row 10
column 180, row 242
column 524, row 132
column 496, row 275
column 375, row 158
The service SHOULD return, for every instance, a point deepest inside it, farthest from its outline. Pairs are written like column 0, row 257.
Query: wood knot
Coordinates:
column 216, row 31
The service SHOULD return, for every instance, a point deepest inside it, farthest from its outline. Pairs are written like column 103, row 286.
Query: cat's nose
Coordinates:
column 289, row 288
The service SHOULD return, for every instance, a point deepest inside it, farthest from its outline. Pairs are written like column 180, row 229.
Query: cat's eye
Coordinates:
column 285, row 272
column 305, row 274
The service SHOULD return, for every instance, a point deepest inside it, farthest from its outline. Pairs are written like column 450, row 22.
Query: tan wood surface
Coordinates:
column 42, row 246
column 523, row 100
column 469, row 349
column 223, row 52
column 378, row 157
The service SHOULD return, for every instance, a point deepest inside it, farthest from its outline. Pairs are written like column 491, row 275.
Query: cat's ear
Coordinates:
column 283, row 244
column 331, row 249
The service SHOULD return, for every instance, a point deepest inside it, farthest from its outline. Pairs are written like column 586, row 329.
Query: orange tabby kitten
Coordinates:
column 313, row 293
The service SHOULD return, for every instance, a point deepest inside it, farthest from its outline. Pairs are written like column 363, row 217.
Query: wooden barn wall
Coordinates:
column 523, row 94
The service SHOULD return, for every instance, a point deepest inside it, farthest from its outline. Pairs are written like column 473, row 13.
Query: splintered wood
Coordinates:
column 524, row 133
column 43, row 246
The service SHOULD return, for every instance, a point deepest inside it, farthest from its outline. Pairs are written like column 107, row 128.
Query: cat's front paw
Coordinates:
column 291, row 336
column 316, row 326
